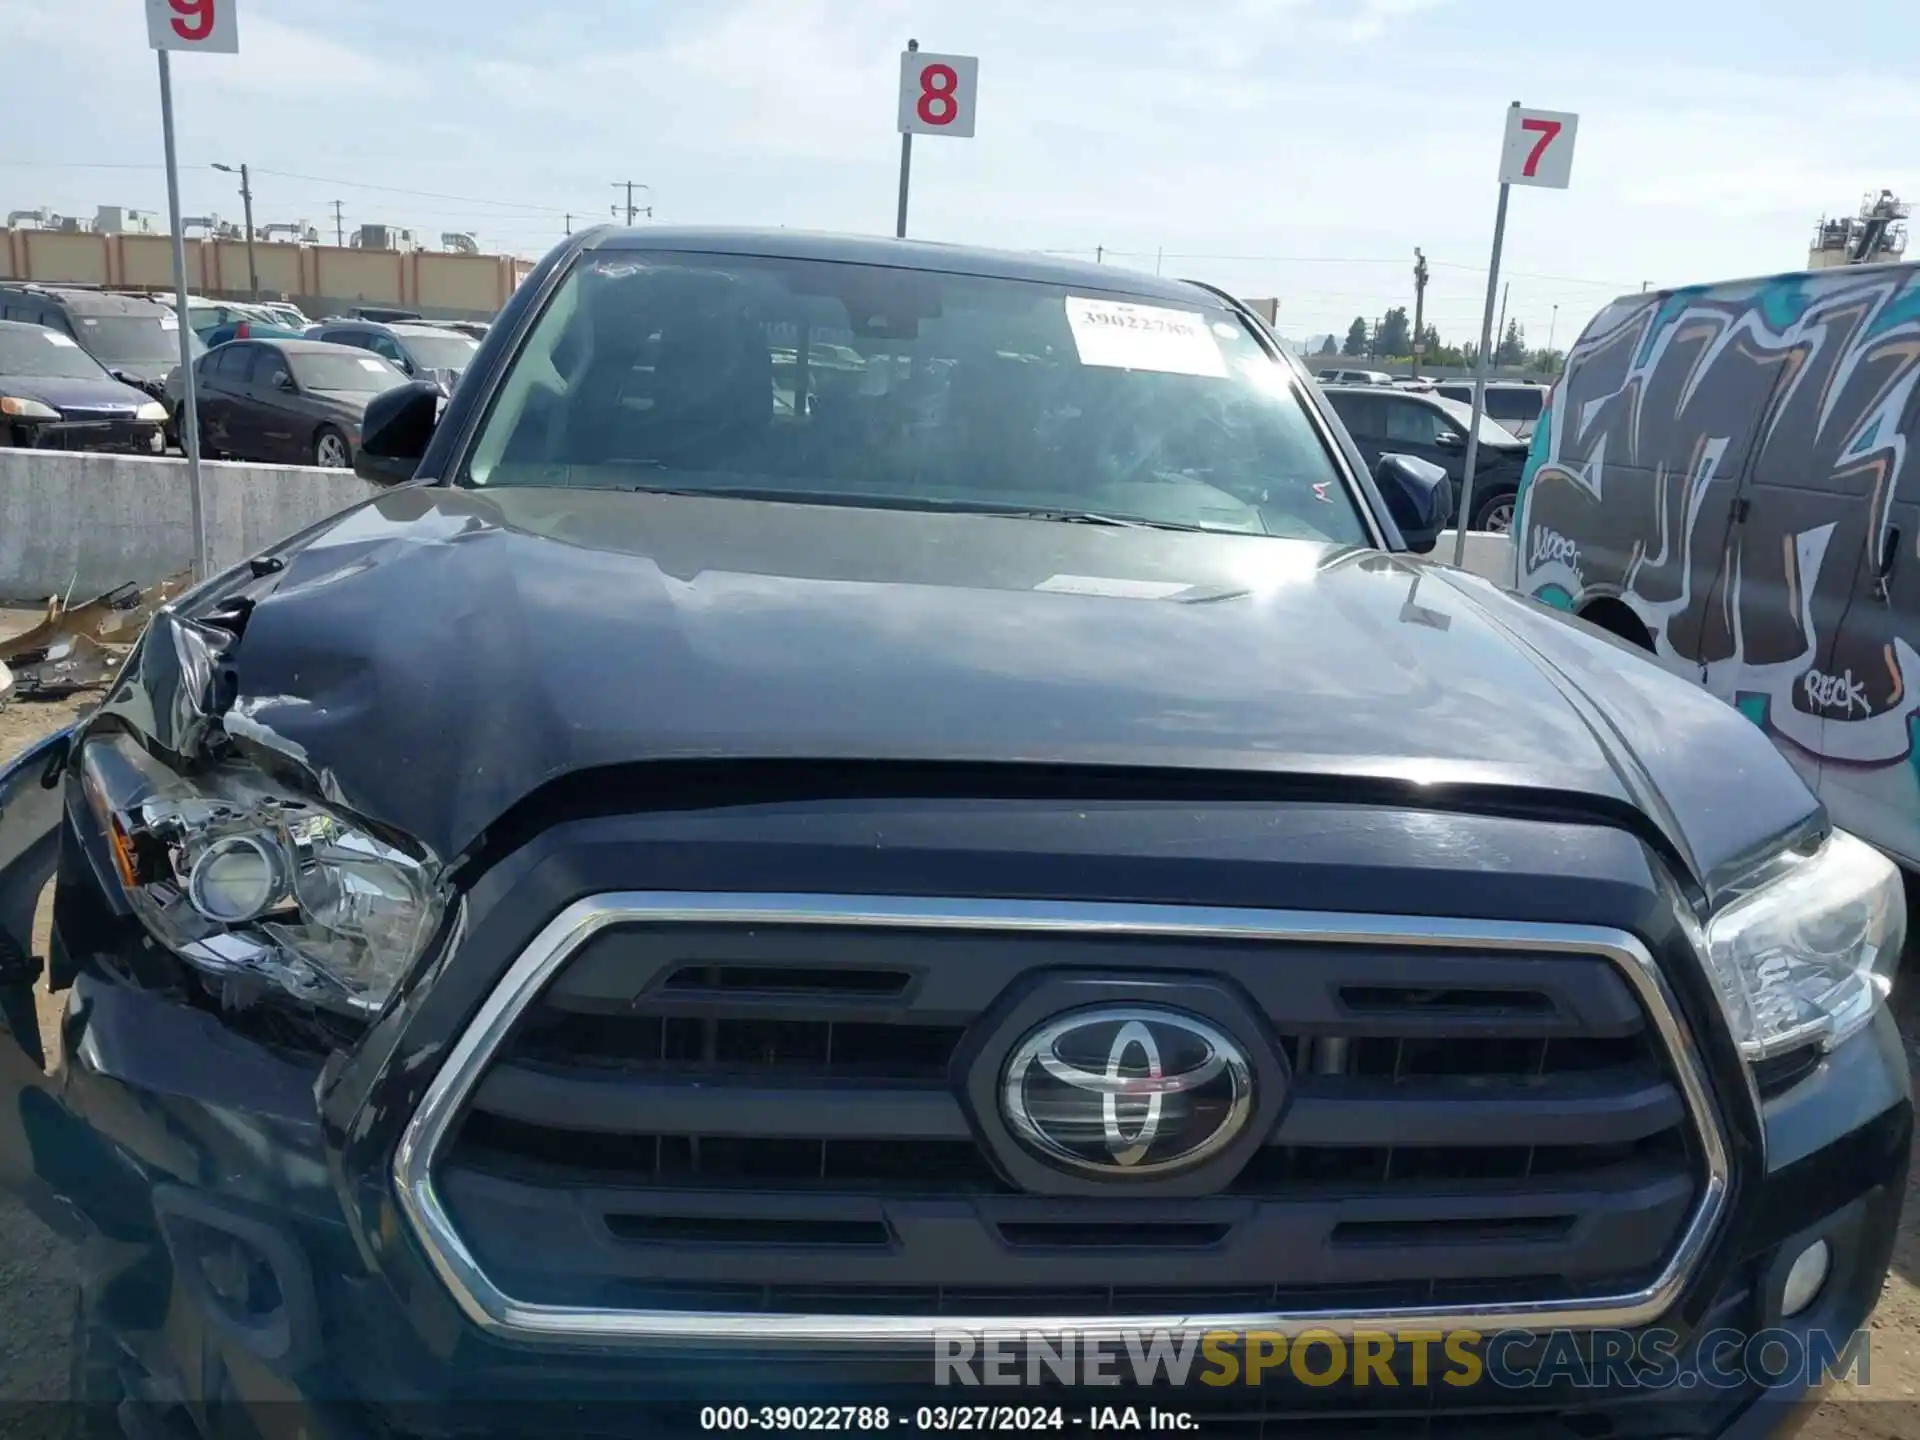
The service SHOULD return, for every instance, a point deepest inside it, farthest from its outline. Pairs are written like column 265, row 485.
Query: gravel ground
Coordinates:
column 36, row 1270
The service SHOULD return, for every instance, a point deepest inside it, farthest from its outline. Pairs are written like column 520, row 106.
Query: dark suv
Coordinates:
column 741, row 879
column 423, row 350
column 1434, row 428
column 136, row 339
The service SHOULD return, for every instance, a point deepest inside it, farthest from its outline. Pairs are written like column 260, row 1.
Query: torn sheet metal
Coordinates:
column 68, row 665
column 113, row 618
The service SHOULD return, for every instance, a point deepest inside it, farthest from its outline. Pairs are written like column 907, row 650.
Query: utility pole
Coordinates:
column 339, row 227
column 1500, row 330
column 632, row 209
column 569, row 222
column 1419, row 306
column 246, row 202
column 1099, row 254
column 1552, row 325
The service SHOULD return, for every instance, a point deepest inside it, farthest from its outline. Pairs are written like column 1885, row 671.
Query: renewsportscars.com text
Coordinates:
column 1511, row 1359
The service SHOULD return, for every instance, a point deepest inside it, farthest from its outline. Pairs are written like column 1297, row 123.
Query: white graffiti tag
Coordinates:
column 1550, row 547
column 1835, row 692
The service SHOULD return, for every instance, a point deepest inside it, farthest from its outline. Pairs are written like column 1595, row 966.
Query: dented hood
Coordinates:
column 437, row 655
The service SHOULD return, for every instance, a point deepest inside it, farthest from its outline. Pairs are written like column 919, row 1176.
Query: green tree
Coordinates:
column 1396, row 336
column 1328, row 347
column 1356, row 339
column 1430, row 341
column 1552, row 362
column 1513, row 346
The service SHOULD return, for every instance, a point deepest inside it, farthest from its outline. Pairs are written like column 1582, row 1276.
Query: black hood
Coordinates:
column 436, row 655
column 70, row 397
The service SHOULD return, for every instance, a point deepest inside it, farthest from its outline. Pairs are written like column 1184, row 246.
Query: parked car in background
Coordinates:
column 1385, row 421
column 289, row 402
column 254, row 327
column 55, row 396
column 134, row 338
column 1354, row 377
column 474, row 329
column 280, row 312
column 1729, row 478
column 1514, row 405
column 418, row 349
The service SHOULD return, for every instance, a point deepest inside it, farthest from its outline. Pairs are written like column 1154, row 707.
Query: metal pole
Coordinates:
column 906, row 171
column 1462, row 520
column 188, row 419
column 1419, row 306
column 246, row 203
column 1500, row 330
column 1552, row 325
column 1159, row 254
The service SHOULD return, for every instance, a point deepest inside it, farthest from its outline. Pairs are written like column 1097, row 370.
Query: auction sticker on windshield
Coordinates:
column 54, row 337
column 1121, row 336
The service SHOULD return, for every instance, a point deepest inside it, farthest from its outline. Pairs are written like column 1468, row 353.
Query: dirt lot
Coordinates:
column 36, row 1271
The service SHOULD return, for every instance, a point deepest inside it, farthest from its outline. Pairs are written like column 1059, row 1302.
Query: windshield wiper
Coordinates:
column 858, row 499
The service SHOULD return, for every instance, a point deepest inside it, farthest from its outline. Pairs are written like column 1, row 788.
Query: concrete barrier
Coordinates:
column 1488, row 555
column 87, row 523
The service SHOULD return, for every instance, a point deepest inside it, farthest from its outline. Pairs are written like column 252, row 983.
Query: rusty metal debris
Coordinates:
column 80, row 648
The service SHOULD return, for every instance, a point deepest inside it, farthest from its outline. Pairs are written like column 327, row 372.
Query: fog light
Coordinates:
column 1804, row 1280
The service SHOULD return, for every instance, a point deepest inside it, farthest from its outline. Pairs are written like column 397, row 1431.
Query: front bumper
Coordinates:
column 235, row 1250
column 120, row 437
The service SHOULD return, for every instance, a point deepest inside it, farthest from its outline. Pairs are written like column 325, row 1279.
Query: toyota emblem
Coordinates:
column 1127, row 1090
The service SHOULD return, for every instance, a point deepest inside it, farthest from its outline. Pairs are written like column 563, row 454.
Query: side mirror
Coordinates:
column 1419, row 497
column 1450, row 440
column 395, row 431
column 283, row 381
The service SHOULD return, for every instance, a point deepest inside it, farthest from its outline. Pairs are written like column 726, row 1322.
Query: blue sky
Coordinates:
column 1298, row 148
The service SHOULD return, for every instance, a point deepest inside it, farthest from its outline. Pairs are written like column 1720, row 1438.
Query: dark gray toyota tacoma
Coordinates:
column 852, row 793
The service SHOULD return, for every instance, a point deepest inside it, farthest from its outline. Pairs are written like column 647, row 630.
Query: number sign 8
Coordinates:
column 936, row 93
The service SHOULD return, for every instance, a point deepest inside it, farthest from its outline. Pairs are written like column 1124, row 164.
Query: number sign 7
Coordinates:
column 1538, row 148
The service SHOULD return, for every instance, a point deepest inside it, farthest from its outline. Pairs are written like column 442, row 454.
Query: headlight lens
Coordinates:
column 153, row 410
column 1807, row 957
column 241, row 878
column 27, row 409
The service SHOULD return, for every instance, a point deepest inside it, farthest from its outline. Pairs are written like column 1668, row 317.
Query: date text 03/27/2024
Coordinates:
column 943, row 1419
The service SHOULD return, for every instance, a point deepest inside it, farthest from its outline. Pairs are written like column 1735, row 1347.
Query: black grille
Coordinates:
column 770, row 1120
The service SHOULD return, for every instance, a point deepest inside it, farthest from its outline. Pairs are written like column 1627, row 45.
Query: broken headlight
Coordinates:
column 1809, row 956
column 244, row 880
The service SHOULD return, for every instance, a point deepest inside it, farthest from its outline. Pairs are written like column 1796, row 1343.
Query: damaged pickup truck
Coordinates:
column 854, row 793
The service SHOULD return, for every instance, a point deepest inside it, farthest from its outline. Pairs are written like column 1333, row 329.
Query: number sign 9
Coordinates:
column 1538, row 148
column 209, row 25
column 936, row 93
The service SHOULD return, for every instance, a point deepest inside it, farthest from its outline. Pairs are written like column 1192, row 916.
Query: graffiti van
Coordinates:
column 1725, row 476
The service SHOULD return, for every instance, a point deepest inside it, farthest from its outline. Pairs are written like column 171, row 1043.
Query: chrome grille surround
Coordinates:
column 502, row 1315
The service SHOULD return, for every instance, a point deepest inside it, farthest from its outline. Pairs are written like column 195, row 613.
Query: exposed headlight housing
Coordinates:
column 241, row 878
column 26, row 409
column 1807, row 957
column 153, row 410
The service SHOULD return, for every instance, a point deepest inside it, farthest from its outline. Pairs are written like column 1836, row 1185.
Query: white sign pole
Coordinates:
column 936, row 98
column 187, row 422
column 1464, row 518
column 212, row 26
column 1537, row 150
column 906, row 168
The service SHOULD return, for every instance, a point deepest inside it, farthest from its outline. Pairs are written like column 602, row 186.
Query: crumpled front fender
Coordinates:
column 30, row 815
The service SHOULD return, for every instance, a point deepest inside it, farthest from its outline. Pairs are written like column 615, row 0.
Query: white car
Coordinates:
column 1354, row 377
